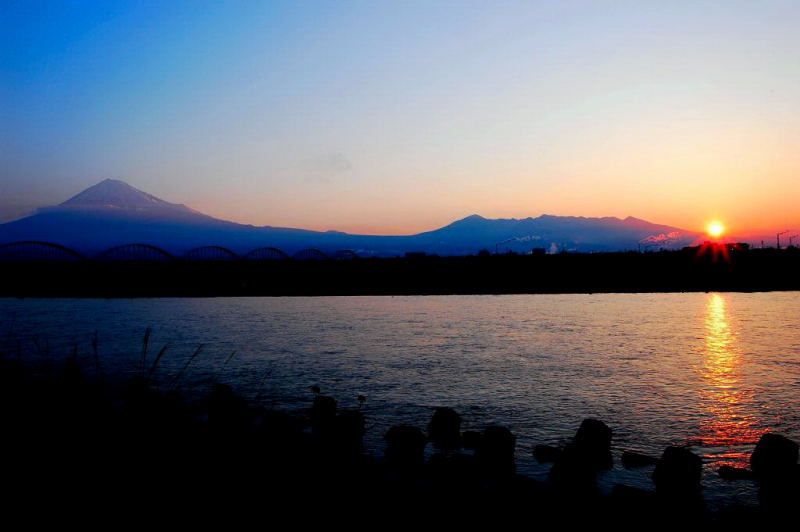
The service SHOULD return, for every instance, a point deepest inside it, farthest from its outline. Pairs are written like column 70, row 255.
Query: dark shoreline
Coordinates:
column 135, row 436
column 688, row 270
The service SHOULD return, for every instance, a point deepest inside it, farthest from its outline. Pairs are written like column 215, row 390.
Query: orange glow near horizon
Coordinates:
column 606, row 116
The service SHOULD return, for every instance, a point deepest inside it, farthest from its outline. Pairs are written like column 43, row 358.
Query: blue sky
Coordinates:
column 395, row 117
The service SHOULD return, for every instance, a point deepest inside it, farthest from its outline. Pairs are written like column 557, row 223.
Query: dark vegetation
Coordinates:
column 691, row 269
column 90, row 442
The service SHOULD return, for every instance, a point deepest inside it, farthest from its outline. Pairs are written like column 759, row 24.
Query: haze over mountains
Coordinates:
column 112, row 213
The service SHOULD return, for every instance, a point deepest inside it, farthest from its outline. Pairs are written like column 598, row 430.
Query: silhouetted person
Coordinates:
column 349, row 432
column 677, row 477
column 678, row 472
column 495, row 453
column 405, row 447
column 584, row 457
column 323, row 415
column 227, row 412
column 444, row 429
column 774, row 456
column 774, row 463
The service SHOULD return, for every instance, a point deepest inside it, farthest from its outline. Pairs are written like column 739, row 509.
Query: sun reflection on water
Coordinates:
column 731, row 423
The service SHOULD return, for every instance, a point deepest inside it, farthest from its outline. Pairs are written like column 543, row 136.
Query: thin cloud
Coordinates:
column 322, row 168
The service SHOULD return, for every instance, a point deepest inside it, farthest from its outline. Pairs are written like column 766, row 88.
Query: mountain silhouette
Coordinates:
column 115, row 194
column 112, row 212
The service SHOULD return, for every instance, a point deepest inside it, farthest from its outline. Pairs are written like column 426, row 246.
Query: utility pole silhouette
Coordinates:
column 792, row 238
column 778, row 238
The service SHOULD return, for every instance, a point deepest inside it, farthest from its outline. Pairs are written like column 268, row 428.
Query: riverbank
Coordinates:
column 130, row 439
column 690, row 270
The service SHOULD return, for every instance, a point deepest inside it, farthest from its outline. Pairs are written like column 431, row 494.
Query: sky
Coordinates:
column 399, row 117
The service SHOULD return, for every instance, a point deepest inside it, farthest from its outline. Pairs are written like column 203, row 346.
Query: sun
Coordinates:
column 715, row 229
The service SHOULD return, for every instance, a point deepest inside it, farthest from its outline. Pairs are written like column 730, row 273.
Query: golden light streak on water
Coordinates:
column 731, row 422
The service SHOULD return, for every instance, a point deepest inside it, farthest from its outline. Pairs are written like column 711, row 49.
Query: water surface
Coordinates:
column 713, row 371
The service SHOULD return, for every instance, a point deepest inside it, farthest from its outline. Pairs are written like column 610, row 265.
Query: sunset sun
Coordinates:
column 715, row 229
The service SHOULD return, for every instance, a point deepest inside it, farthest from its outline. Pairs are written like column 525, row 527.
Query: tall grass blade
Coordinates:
column 155, row 362
column 96, row 353
column 228, row 360
column 145, row 343
column 260, row 388
column 186, row 366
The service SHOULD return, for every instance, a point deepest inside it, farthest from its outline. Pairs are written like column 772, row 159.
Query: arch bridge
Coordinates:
column 34, row 250
column 134, row 253
column 266, row 254
column 310, row 254
column 210, row 253
column 345, row 254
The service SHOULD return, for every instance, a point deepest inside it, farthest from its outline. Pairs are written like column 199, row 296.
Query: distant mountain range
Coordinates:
column 113, row 213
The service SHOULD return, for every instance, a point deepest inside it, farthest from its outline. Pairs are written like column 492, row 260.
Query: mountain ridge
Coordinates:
column 113, row 212
column 113, row 193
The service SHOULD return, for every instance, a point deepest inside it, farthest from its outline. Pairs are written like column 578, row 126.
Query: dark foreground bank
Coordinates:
column 88, row 443
column 714, row 268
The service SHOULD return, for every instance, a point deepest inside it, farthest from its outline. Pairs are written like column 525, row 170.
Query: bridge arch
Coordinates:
column 210, row 253
column 135, row 253
column 29, row 250
column 310, row 254
column 266, row 254
column 345, row 254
